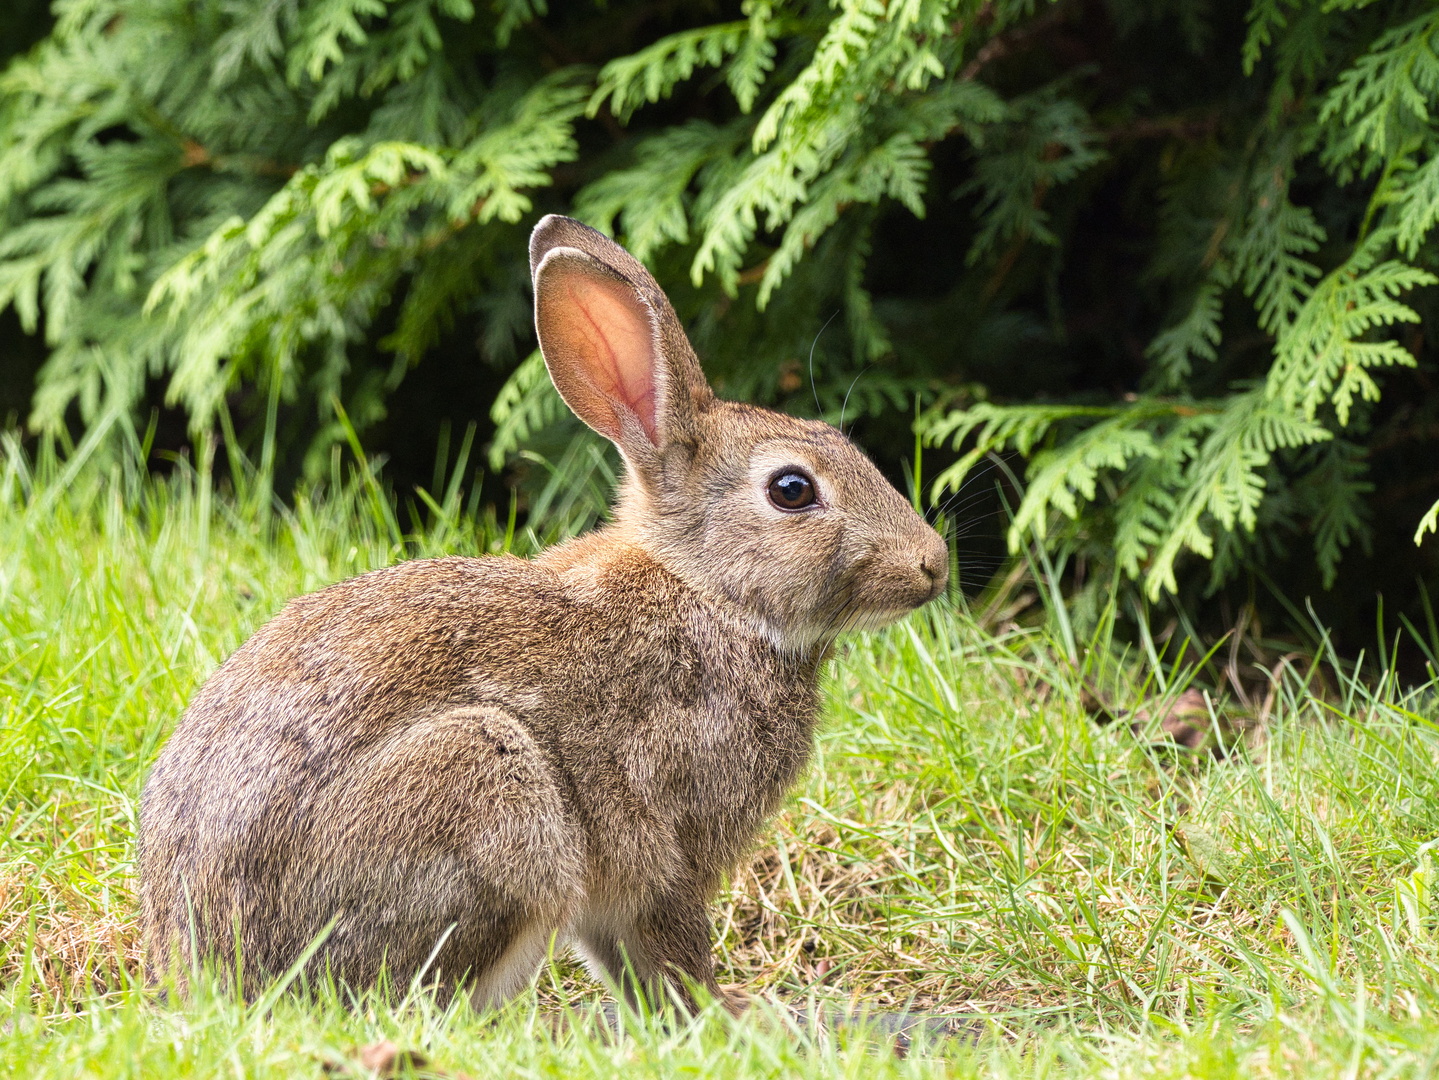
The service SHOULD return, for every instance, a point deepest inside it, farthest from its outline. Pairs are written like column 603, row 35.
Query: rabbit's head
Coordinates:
column 783, row 517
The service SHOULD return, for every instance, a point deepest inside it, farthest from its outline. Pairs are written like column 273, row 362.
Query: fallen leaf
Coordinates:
column 385, row 1060
column 1186, row 721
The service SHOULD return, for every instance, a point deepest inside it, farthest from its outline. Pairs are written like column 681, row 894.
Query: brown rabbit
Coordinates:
column 457, row 760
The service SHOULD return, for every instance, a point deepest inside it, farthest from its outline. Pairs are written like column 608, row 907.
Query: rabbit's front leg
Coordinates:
column 663, row 951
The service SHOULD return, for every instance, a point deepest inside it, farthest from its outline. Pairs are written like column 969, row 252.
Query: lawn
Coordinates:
column 973, row 837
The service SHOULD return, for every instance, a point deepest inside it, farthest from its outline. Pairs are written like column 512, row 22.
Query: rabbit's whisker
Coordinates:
column 818, row 410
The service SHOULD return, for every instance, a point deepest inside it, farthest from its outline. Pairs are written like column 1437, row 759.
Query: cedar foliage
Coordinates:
column 1172, row 252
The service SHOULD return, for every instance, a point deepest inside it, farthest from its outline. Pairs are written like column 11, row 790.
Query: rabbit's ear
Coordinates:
column 613, row 345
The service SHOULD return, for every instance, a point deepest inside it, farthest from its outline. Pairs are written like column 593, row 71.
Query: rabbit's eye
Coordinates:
column 791, row 491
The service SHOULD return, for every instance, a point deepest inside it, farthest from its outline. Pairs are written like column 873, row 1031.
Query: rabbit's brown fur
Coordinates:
column 503, row 750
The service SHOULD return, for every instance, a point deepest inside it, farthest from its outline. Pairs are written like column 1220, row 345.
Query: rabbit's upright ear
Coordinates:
column 612, row 343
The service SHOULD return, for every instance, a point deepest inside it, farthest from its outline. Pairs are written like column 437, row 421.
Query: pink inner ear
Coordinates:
column 618, row 355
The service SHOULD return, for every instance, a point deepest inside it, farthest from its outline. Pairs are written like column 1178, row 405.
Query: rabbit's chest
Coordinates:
column 715, row 762
column 681, row 755
column 692, row 786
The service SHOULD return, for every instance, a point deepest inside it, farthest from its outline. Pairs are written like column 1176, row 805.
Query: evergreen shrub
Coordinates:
column 1179, row 255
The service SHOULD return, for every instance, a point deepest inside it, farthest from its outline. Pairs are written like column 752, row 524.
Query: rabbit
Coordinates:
column 456, row 764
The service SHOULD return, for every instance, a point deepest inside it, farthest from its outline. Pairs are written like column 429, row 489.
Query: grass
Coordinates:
column 970, row 839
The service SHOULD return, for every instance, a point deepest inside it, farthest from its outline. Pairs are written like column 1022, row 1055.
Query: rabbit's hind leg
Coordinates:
column 450, row 855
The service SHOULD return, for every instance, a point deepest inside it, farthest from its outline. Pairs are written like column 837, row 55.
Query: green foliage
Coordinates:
column 1177, row 468
column 526, row 404
column 1430, row 523
column 1176, row 253
column 654, row 72
column 1046, row 140
column 1319, row 357
column 333, row 241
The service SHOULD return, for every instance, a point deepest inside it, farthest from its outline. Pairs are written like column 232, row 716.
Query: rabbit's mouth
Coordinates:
column 886, row 593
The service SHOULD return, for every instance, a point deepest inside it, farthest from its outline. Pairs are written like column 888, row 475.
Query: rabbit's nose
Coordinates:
column 934, row 562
